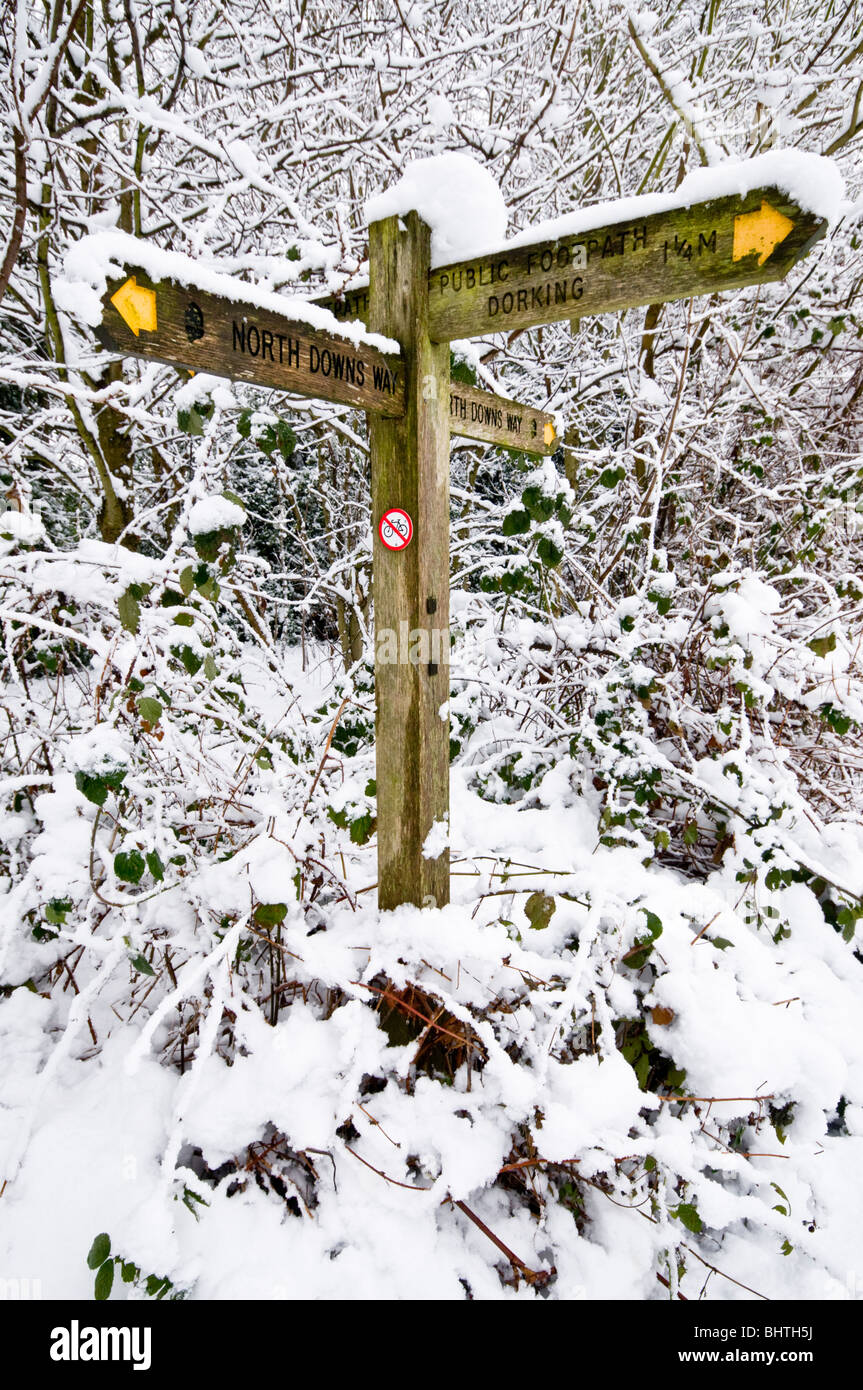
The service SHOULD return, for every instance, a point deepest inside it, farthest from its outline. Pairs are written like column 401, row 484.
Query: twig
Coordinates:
column 401, row 1004
column 663, row 1280
column 712, row 1099
column 536, row 1277
column 706, row 925
column 371, row 1119
column 533, row 1162
column 381, row 1174
column 333, row 727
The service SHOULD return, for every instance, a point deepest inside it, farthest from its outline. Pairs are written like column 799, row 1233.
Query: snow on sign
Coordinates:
column 192, row 327
column 395, row 528
column 647, row 257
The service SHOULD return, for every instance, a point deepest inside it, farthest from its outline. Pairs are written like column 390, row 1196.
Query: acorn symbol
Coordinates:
column 194, row 321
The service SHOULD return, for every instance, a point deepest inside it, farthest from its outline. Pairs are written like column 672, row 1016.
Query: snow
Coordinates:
column 812, row 181
column 645, row 992
column 17, row 526
column 106, row 253
column 462, row 203
column 437, row 840
column 458, row 198
column 302, row 1079
column 216, row 513
column 439, row 112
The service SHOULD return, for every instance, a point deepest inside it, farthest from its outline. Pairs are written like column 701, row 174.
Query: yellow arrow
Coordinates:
column 548, row 433
column 136, row 306
column 760, row 231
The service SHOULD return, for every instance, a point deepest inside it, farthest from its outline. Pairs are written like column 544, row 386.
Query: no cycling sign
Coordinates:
column 395, row 529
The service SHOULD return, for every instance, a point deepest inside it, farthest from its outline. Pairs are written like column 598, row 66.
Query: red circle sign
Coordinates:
column 395, row 528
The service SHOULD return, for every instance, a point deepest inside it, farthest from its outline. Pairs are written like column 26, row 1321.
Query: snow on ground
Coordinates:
column 373, row 1153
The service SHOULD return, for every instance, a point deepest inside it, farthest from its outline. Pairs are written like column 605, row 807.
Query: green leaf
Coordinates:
column 538, row 503
column 821, row 646
column 150, row 709
column 654, row 924
column 516, row 523
column 721, row 943
column 190, row 660
column 835, row 718
column 636, row 960
column 549, row 553
column 172, row 598
column 142, row 965
column 512, row 581
column 539, row 910
column 270, row 914
column 362, row 828
column 96, row 788
column 662, row 601
column 104, row 1281
column 687, row 1214
column 610, row 477
column 129, row 610
column 267, row 441
column 786, row 1247
column 287, row 440
column 154, row 864
column 190, row 421
column 129, row 866
column 187, row 580
column 210, row 668
column 207, row 543
column 99, row 1251
column 128, row 1271
column 56, row 911
column 461, row 371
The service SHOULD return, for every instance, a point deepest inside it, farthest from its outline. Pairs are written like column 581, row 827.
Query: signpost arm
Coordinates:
column 410, row 470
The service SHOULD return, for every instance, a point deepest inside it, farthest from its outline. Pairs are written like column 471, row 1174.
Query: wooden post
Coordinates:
column 410, row 470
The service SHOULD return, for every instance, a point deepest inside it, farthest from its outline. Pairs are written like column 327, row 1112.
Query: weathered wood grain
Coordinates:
column 208, row 333
column 669, row 255
column 478, row 414
column 410, row 469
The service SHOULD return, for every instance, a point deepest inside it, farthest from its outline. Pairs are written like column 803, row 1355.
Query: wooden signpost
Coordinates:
column 192, row 328
column 720, row 244
column 482, row 415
